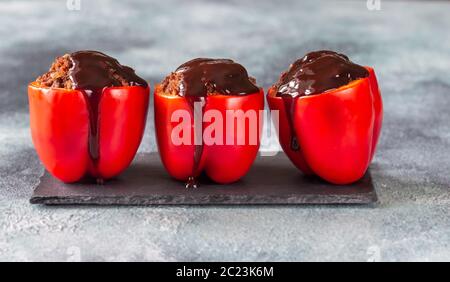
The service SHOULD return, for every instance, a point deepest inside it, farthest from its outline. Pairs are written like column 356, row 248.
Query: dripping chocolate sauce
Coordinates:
column 91, row 73
column 203, row 76
column 198, row 148
column 315, row 73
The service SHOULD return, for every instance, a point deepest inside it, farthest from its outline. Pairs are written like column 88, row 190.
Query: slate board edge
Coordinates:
column 221, row 201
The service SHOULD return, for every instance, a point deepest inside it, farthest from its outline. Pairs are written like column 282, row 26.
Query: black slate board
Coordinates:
column 271, row 180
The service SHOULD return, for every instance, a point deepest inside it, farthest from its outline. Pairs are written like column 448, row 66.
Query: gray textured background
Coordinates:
column 408, row 43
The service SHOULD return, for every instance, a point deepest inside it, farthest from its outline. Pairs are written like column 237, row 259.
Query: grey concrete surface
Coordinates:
column 408, row 43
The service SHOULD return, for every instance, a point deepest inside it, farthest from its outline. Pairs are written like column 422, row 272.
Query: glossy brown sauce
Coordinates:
column 315, row 73
column 91, row 73
column 201, row 77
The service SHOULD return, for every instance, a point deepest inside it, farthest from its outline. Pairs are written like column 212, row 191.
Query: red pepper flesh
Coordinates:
column 221, row 163
column 337, row 131
column 59, row 122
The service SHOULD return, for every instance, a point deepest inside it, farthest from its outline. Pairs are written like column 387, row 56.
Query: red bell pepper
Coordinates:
column 59, row 121
column 222, row 163
column 337, row 131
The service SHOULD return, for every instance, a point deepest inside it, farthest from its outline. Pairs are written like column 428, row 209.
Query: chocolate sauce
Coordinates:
column 289, row 104
column 91, row 73
column 315, row 73
column 203, row 76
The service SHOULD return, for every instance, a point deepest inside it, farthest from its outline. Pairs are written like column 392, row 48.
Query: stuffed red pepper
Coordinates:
column 87, row 116
column 330, row 115
column 207, row 119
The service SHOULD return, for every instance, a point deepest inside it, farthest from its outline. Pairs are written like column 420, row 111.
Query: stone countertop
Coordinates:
column 406, row 42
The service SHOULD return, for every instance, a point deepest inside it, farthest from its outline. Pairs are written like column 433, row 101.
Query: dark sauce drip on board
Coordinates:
column 203, row 76
column 91, row 73
column 198, row 148
column 315, row 73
